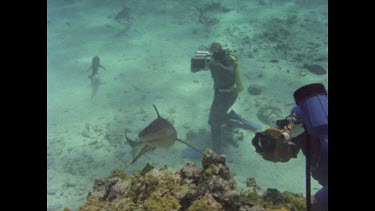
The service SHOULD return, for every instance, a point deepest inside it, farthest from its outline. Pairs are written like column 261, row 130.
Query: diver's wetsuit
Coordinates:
column 224, row 97
column 95, row 65
column 319, row 166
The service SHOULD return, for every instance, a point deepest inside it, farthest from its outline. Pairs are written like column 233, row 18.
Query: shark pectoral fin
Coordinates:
column 102, row 67
column 143, row 151
column 131, row 142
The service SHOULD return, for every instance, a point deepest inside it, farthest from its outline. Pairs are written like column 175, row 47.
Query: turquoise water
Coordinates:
column 146, row 51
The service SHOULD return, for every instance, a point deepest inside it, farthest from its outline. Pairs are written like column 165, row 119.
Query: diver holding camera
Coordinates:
column 278, row 145
column 224, row 71
column 201, row 59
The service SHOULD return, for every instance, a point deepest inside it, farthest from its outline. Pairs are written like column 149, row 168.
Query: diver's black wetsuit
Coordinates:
column 95, row 65
column 319, row 165
column 225, row 95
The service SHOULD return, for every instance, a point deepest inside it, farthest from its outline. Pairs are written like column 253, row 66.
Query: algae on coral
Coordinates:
column 190, row 188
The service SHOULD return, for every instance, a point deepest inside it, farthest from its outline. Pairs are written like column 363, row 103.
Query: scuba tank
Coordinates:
column 239, row 83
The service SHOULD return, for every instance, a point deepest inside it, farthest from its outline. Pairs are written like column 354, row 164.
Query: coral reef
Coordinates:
column 190, row 188
column 271, row 199
column 207, row 202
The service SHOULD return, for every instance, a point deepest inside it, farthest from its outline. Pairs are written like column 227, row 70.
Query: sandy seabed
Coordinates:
column 146, row 52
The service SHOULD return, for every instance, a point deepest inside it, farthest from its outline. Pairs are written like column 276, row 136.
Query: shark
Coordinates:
column 160, row 133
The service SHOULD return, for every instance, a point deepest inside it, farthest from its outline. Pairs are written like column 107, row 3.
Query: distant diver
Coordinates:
column 227, row 84
column 95, row 65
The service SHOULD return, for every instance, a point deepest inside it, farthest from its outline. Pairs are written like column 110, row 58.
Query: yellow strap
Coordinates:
column 230, row 89
column 234, row 58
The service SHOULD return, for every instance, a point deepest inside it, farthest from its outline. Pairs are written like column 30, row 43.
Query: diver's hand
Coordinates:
column 212, row 63
column 216, row 65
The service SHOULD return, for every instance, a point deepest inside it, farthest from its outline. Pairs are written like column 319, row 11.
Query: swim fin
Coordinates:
column 250, row 125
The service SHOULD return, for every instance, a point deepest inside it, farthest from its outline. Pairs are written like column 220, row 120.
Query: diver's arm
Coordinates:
column 102, row 67
column 219, row 66
column 231, row 66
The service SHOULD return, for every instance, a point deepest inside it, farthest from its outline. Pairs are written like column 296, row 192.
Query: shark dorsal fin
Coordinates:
column 156, row 110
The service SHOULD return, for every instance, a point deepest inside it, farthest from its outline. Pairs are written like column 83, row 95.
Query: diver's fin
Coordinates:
column 250, row 125
column 187, row 144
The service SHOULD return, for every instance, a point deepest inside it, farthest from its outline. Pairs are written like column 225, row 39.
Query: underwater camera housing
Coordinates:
column 200, row 59
column 263, row 142
column 312, row 106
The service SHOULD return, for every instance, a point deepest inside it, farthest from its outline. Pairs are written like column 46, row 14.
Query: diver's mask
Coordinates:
column 219, row 55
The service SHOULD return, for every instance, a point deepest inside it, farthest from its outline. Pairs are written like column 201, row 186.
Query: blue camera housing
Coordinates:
column 312, row 106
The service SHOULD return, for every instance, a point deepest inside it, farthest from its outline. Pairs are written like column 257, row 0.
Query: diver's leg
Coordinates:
column 214, row 122
column 319, row 207
column 218, row 116
column 92, row 80
column 216, row 138
column 93, row 73
column 321, row 200
column 226, row 101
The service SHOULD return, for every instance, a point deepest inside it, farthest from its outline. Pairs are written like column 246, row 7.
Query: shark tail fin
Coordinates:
column 132, row 143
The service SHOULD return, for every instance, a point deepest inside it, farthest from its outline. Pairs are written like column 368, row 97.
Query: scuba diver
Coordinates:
column 95, row 65
column 278, row 145
column 227, row 85
column 95, row 81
